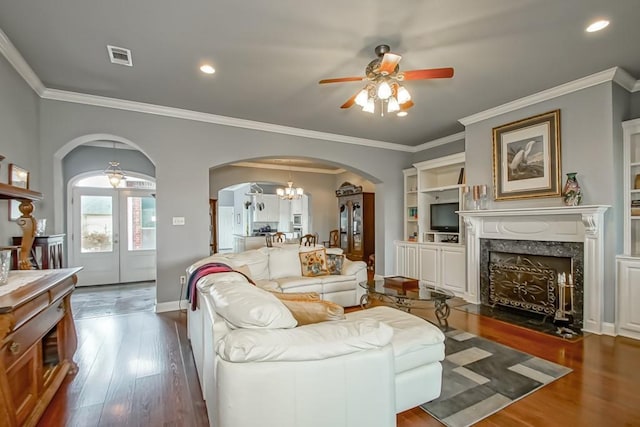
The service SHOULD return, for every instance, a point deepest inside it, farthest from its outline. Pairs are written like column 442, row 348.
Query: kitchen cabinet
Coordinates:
column 356, row 217
column 270, row 209
column 296, row 207
column 284, row 216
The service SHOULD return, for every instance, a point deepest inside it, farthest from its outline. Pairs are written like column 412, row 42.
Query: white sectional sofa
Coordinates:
column 257, row 367
column 279, row 269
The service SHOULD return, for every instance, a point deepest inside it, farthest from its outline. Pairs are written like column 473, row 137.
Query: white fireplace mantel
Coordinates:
column 561, row 224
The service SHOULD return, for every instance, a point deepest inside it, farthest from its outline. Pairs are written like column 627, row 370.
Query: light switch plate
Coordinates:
column 178, row 220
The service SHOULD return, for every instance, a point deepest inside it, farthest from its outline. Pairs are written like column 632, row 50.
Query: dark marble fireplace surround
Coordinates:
column 572, row 250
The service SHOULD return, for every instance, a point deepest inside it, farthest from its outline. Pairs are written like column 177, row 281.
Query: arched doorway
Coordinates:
column 113, row 230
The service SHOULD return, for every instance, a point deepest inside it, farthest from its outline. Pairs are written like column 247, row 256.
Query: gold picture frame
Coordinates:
column 526, row 158
column 18, row 177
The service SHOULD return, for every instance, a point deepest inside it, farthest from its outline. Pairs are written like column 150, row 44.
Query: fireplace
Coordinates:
column 575, row 233
column 522, row 275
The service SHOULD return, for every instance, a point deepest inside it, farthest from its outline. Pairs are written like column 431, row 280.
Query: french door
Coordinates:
column 113, row 235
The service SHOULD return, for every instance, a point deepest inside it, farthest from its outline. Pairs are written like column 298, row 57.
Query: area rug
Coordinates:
column 481, row 377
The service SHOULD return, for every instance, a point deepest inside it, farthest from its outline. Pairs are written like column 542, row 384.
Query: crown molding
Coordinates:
column 612, row 74
column 159, row 110
column 283, row 167
column 440, row 141
column 19, row 64
column 636, row 87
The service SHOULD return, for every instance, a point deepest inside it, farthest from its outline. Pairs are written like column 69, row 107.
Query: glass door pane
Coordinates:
column 96, row 224
column 344, row 224
column 357, row 227
column 141, row 223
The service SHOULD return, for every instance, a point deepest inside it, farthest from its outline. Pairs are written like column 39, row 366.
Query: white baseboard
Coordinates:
column 171, row 306
column 609, row 329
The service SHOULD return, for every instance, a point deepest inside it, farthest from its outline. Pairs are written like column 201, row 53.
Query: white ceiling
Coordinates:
column 270, row 55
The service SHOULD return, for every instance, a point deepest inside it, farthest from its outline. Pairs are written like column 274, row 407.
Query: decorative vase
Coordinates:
column 572, row 193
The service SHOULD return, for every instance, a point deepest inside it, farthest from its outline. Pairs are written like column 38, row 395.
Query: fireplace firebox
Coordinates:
column 524, row 276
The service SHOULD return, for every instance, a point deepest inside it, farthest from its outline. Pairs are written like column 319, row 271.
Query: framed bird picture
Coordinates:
column 526, row 158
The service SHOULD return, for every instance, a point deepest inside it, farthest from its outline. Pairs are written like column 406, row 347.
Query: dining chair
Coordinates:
column 279, row 237
column 308, row 240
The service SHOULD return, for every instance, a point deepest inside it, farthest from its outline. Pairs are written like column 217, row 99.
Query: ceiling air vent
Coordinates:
column 120, row 55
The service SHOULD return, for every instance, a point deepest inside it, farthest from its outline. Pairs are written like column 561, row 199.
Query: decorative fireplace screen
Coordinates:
column 522, row 282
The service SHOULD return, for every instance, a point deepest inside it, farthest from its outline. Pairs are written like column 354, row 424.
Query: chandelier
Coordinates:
column 386, row 92
column 113, row 172
column 290, row 192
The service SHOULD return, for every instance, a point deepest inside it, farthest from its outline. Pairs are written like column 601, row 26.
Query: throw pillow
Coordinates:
column 314, row 263
column 284, row 262
column 247, row 306
column 307, row 312
column 334, row 263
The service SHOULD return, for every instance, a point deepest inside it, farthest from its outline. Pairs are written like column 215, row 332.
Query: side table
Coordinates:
column 51, row 252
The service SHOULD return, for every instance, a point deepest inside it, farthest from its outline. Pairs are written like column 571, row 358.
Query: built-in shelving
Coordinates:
column 628, row 264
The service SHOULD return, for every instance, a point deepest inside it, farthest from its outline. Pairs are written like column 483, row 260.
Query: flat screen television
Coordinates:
column 444, row 217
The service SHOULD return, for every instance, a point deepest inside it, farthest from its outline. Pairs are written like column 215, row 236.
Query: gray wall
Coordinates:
column 635, row 105
column 183, row 151
column 19, row 140
column 438, row 151
column 589, row 146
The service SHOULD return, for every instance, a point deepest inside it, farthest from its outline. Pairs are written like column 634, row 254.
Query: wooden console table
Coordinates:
column 51, row 251
column 37, row 342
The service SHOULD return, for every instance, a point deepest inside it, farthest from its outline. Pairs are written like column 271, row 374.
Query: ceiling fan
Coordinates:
column 383, row 77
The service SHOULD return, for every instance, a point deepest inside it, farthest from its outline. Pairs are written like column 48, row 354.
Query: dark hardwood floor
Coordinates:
column 136, row 369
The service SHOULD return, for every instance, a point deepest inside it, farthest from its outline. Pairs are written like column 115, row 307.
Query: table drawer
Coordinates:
column 16, row 343
column 61, row 289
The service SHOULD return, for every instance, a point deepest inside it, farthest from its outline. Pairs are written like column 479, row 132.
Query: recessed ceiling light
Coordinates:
column 597, row 26
column 207, row 69
column 402, row 114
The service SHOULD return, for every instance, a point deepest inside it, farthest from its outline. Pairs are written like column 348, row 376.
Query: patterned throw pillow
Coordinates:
column 334, row 263
column 314, row 263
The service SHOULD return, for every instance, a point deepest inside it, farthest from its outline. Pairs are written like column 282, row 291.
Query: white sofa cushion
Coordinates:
column 415, row 341
column 310, row 342
column 256, row 260
column 284, row 262
column 246, row 306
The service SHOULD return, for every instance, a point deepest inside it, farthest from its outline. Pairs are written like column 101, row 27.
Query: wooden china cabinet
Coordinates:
column 37, row 332
column 356, row 219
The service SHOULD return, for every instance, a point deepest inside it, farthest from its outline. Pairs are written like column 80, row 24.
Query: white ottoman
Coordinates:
column 418, row 348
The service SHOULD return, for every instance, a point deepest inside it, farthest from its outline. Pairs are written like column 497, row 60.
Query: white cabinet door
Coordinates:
column 406, row 259
column 429, row 264
column 411, row 261
column 453, row 269
column 401, row 256
column 629, row 295
column 296, row 207
column 284, row 216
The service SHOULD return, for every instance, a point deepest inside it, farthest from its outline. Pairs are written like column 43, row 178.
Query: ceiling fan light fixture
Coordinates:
column 384, row 90
column 392, row 105
column 370, row 107
column 362, row 97
column 403, row 95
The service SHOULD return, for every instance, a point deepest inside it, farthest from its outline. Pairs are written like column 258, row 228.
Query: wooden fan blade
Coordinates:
column 389, row 63
column 406, row 105
column 341, row 79
column 433, row 73
column 350, row 101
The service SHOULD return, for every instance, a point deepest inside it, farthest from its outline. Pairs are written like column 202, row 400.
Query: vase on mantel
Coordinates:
column 572, row 193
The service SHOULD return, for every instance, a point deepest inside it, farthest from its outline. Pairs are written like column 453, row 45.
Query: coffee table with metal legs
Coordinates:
column 408, row 299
